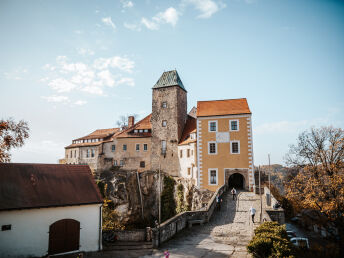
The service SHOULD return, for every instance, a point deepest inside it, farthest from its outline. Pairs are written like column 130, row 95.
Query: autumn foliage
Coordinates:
column 12, row 135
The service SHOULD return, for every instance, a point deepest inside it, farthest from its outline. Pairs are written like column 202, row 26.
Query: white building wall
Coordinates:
column 29, row 235
column 188, row 162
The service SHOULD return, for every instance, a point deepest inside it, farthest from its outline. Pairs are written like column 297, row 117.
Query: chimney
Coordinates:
column 131, row 121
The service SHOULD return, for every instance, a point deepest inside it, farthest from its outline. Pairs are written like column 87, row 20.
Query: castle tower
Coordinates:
column 169, row 113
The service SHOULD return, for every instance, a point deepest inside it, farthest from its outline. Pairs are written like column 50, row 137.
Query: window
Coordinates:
column 212, row 126
column 140, row 131
column 212, row 148
column 164, row 104
column 75, row 154
column 136, row 131
column 121, row 162
column 66, row 156
column 113, row 148
column 235, row 147
column 188, row 153
column 142, row 164
column 137, row 147
column 88, row 151
column 189, row 171
column 212, row 172
column 145, row 147
column 163, row 147
column 115, row 163
column 234, row 125
column 146, row 130
column 71, row 154
column 191, row 152
column 124, row 147
column 6, row 227
column 92, row 153
column 164, row 123
column 181, row 153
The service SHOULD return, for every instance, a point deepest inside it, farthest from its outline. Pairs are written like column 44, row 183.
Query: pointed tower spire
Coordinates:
column 169, row 79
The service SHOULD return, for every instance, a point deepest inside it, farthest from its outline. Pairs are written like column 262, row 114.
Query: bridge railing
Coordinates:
column 177, row 223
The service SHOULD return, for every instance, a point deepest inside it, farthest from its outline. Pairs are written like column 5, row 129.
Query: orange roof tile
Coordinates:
column 145, row 123
column 190, row 127
column 99, row 133
column 222, row 107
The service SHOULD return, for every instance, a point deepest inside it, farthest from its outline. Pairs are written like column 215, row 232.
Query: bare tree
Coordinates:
column 122, row 122
column 319, row 147
column 12, row 135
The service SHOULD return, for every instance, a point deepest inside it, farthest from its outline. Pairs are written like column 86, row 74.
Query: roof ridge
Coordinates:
column 169, row 79
column 219, row 100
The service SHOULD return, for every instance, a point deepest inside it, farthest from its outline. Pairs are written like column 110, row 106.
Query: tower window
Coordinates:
column 164, row 123
column 137, row 147
column 164, row 104
column 163, row 147
column 145, row 147
column 124, row 147
column 113, row 148
column 142, row 164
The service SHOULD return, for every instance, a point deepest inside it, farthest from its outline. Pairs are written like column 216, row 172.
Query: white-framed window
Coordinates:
column 213, row 176
column 164, row 123
column 163, row 147
column 235, row 147
column 164, row 104
column 212, row 126
column 137, row 147
column 88, row 153
column 113, row 147
column 92, row 153
column 124, row 147
column 212, row 148
column 136, row 131
column 188, row 153
column 145, row 147
column 121, row 162
column 115, row 162
column 234, row 125
column 146, row 130
column 140, row 131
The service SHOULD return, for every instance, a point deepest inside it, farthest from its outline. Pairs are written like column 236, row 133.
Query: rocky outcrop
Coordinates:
column 124, row 192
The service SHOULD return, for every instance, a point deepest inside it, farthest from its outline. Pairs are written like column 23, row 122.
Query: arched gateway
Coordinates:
column 236, row 180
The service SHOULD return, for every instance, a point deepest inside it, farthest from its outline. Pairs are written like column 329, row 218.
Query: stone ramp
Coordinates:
column 226, row 235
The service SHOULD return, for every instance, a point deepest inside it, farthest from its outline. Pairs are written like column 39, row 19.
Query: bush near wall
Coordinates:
column 270, row 240
column 168, row 204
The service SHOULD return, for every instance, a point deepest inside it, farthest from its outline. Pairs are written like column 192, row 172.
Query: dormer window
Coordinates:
column 136, row 131
column 146, row 130
column 141, row 131
column 164, row 104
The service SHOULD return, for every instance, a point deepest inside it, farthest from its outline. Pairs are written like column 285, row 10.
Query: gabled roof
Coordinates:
column 143, row 124
column 222, row 107
column 169, row 79
column 190, row 127
column 193, row 112
column 26, row 186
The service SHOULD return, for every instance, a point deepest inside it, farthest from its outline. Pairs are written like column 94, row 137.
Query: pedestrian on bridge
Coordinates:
column 234, row 192
column 252, row 212
column 218, row 202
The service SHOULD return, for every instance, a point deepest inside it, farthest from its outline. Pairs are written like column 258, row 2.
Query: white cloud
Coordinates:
column 85, row 51
column 16, row 74
column 170, row 15
column 106, row 77
column 121, row 63
column 108, row 21
column 79, row 32
column 149, row 24
column 80, row 102
column 56, row 98
column 206, row 7
column 126, row 80
column 61, row 85
column 132, row 26
column 127, row 4
column 93, row 89
column 49, row 67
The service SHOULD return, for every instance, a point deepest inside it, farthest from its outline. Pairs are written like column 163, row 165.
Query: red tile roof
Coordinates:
column 25, row 186
column 143, row 124
column 222, row 107
column 190, row 127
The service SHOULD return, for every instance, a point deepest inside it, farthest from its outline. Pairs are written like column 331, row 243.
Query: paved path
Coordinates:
column 226, row 235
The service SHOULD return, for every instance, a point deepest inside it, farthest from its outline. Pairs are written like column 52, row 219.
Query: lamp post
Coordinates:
column 260, row 195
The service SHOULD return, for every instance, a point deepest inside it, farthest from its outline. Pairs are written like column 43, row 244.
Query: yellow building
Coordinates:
column 224, row 144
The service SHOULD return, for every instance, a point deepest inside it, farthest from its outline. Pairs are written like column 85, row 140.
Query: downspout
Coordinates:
column 100, row 228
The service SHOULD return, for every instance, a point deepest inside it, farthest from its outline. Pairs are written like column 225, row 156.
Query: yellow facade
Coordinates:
column 223, row 159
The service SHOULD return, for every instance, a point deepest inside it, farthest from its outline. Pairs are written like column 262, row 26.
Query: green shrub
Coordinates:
column 168, row 204
column 181, row 205
column 270, row 240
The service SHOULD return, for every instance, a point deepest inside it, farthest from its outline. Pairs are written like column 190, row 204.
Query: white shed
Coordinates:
column 48, row 209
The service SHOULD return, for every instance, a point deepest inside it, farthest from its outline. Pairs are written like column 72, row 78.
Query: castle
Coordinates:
column 211, row 145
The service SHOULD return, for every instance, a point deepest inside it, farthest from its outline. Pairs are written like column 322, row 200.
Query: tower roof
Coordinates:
column 169, row 79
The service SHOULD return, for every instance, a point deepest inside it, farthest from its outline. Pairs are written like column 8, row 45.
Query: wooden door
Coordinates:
column 64, row 236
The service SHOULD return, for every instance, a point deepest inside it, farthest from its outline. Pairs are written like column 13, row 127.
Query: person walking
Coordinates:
column 252, row 212
column 234, row 192
column 218, row 202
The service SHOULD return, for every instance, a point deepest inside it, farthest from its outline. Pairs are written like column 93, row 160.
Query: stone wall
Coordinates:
column 172, row 226
column 175, row 114
column 269, row 202
column 137, row 235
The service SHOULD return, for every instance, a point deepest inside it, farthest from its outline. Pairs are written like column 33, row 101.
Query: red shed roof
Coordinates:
column 222, row 107
column 25, row 186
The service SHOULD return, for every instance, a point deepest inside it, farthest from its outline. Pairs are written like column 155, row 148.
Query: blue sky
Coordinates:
column 70, row 67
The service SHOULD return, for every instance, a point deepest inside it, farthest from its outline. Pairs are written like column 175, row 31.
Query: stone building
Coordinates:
column 174, row 141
